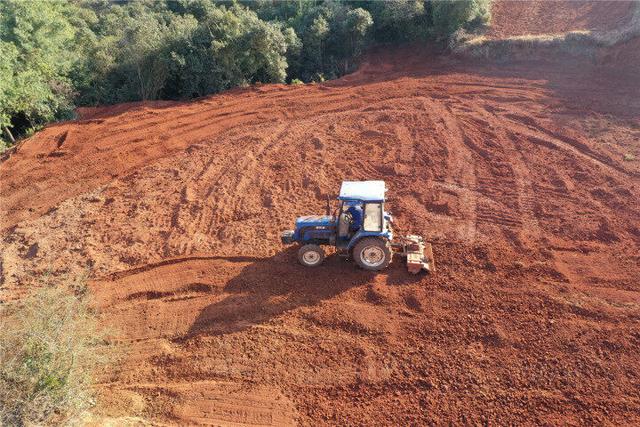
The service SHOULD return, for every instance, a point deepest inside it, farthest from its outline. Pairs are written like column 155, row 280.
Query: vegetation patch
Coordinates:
column 50, row 349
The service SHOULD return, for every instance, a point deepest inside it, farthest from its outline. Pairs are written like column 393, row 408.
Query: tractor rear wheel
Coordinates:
column 372, row 253
column 310, row 255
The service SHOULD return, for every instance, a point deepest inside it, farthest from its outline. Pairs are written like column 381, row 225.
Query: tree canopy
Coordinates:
column 59, row 54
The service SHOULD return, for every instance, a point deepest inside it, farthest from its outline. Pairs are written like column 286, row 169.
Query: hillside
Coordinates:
column 521, row 174
column 517, row 18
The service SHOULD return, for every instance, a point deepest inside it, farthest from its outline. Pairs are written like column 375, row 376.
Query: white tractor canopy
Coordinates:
column 367, row 191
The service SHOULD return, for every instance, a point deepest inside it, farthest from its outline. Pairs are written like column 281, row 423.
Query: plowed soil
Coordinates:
column 522, row 175
column 518, row 17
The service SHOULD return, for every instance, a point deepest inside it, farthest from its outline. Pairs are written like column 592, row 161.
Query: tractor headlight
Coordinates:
column 287, row 237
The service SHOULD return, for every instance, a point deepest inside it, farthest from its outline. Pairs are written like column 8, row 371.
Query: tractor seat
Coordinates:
column 344, row 225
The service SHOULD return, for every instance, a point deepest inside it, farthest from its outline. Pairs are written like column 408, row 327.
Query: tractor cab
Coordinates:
column 361, row 213
column 359, row 229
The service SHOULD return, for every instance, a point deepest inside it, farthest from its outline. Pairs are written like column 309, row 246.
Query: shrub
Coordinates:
column 318, row 78
column 50, row 346
column 296, row 82
column 449, row 16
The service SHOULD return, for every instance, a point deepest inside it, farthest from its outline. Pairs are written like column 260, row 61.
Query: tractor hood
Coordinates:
column 314, row 221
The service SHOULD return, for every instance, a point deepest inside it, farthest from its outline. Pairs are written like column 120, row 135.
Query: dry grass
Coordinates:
column 574, row 43
column 50, row 348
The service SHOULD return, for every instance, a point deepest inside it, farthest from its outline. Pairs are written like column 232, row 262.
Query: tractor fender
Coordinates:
column 386, row 235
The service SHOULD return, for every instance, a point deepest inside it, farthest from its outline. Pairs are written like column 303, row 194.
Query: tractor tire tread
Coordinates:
column 310, row 247
column 368, row 241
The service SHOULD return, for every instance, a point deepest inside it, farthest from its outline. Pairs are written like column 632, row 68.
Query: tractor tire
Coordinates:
column 372, row 253
column 310, row 255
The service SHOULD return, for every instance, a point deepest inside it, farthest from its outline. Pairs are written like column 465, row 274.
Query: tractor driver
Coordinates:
column 355, row 210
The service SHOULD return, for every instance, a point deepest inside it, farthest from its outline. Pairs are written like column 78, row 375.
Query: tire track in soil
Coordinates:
column 461, row 165
column 528, row 227
column 227, row 182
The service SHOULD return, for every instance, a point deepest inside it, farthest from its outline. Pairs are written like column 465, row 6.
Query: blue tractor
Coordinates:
column 360, row 229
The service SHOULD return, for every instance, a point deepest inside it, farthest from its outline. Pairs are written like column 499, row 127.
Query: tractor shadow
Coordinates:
column 271, row 287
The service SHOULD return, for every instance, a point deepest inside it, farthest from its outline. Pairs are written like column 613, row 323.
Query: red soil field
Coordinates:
column 518, row 18
column 521, row 174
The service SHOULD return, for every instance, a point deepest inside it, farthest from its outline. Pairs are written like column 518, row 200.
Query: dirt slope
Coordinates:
column 517, row 173
column 517, row 17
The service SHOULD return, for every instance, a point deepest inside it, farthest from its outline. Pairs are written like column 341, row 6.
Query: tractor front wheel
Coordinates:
column 310, row 255
column 372, row 253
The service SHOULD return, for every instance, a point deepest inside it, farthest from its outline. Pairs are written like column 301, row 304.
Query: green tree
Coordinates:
column 354, row 35
column 314, row 39
column 141, row 43
column 37, row 44
column 448, row 16
column 8, row 93
column 229, row 47
column 398, row 20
